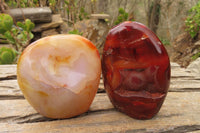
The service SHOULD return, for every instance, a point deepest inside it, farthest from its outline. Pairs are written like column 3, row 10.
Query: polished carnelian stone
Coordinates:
column 136, row 70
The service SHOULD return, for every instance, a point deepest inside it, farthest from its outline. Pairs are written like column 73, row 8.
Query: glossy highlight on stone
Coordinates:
column 136, row 70
column 59, row 75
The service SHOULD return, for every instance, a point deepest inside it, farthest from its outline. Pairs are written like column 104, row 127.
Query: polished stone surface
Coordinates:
column 136, row 70
column 59, row 75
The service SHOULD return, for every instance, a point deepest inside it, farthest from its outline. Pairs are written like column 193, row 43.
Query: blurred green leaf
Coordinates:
column 121, row 11
column 75, row 32
column 126, row 16
column 6, row 23
column 2, row 49
column 82, row 10
column 123, row 16
column 7, row 55
column 192, row 22
column 20, row 24
column 66, row 2
column 9, row 37
column 31, row 35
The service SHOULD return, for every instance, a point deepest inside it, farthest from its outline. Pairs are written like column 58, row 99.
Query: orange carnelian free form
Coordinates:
column 59, row 75
column 136, row 70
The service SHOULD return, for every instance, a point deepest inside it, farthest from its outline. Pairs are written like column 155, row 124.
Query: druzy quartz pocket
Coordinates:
column 136, row 70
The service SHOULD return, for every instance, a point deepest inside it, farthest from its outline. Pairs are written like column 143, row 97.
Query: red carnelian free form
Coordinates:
column 136, row 70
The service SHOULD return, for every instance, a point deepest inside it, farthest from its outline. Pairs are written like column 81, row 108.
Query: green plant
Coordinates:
column 164, row 41
column 123, row 16
column 197, row 55
column 75, row 11
column 83, row 14
column 7, row 55
column 52, row 2
column 192, row 22
column 75, row 31
column 11, row 3
column 52, row 5
column 22, row 3
column 20, row 35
